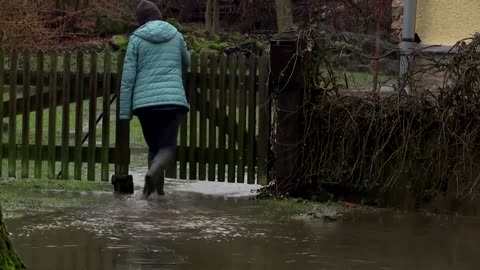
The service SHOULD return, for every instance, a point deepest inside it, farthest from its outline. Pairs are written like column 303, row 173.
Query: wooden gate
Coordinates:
column 225, row 136
column 62, row 117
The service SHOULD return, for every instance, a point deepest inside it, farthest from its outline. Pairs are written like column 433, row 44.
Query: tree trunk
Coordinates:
column 77, row 5
column 284, row 15
column 216, row 17
column 209, row 16
column 8, row 258
column 212, row 16
column 187, row 11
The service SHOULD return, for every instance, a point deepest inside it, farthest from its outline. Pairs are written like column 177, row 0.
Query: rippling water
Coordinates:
column 188, row 230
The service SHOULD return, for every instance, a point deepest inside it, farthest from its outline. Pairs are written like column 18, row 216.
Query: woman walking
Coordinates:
column 152, row 89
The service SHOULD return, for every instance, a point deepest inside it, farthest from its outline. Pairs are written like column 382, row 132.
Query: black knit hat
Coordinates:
column 147, row 11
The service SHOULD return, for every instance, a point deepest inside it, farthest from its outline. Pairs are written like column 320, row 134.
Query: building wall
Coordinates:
column 441, row 22
column 397, row 19
column 444, row 22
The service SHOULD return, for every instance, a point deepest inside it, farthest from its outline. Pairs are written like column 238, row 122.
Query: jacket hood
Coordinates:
column 156, row 32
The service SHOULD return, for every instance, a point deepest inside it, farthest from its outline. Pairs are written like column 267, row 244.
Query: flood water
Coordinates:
column 187, row 230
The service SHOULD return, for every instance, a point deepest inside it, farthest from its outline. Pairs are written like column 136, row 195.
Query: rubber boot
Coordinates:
column 149, row 185
column 155, row 177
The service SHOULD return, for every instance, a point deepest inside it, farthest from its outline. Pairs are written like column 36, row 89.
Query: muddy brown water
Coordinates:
column 188, row 230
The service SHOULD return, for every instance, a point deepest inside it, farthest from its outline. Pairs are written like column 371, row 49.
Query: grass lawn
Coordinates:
column 356, row 80
column 30, row 197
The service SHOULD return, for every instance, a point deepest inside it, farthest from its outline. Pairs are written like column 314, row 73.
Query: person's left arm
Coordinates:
column 186, row 58
column 129, row 76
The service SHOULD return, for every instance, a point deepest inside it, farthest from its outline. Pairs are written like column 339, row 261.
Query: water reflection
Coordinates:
column 193, row 232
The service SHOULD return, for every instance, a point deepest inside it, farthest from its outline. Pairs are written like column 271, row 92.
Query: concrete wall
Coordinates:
column 441, row 22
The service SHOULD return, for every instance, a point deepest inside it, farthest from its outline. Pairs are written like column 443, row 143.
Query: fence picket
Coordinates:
column 232, row 117
column 92, row 115
column 242, row 111
column 106, row 116
column 192, row 89
column 26, row 114
column 39, row 116
column 52, row 115
column 12, row 124
column 212, row 121
column 222, row 96
column 182, row 149
column 252, row 114
column 65, row 116
column 202, row 160
column 79, row 89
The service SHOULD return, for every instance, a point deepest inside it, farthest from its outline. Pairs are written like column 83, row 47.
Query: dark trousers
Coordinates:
column 160, row 127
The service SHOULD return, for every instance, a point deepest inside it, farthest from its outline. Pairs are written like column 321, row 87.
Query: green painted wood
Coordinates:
column 12, row 123
column 39, row 116
column 242, row 111
column 106, row 116
column 232, row 108
column 212, row 122
column 79, row 97
column 26, row 113
column 263, row 106
column 2, row 90
column 65, row 116
column 52, row 115
column 252, row 119
column 202, row 161
column 92, row 115
column 192, row 90
column 222, row 116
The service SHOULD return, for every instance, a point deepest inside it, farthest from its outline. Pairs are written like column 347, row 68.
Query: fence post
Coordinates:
column 122, row 182
column 286, row 85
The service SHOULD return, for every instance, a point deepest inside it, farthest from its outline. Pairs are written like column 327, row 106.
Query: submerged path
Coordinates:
column 214, row 226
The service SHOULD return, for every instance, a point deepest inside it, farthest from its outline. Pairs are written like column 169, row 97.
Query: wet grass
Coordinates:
column 354, row 80
column 286, row 207
column 296, row 209
column 20, row 198
column 138, row 160
column 61, row 185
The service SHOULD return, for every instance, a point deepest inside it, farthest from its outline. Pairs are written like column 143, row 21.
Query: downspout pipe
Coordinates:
column 407, row 45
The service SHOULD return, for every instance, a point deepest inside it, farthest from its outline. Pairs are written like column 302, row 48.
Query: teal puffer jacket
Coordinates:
column 152, row 73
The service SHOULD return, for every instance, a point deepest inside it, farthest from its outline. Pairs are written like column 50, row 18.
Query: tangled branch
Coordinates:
column 426, row 145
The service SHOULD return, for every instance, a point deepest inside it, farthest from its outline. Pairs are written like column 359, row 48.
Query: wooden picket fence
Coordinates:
column 225, row 136
column 64, row 117
column 53, row 104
